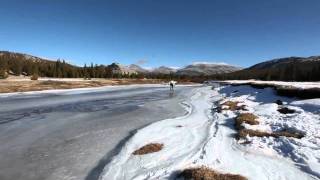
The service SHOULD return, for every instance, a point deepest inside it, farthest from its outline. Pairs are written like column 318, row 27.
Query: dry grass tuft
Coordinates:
column 233, row 106
column 204, row 173
column 251, row 119
column 285, row 110
column 248, row 118
column 288, row 134
column 149, row 148
column 244, row 132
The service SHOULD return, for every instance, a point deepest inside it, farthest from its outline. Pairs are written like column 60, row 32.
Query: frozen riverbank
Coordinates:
column 205, row 137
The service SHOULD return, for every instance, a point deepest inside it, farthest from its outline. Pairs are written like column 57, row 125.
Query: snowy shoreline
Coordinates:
column 301, row 85
column 203, row 137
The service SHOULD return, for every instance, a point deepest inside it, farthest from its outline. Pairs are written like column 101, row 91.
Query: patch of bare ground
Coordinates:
column 23, row 85
column 149, row 148
column 204, row 173
column 285, row 110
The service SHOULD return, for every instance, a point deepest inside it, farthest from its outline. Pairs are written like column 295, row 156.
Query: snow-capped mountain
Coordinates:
column 164, row 70
column 197, row 69
column 137, row 68
column 127, row 69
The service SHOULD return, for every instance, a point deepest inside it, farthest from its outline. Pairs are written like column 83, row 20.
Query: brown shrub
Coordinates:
column 248, row 118
column 149, row 148
column 204, row 173
column 244, row 132
column 285, row 110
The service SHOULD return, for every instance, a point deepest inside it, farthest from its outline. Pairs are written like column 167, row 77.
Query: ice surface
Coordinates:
column 71, row 134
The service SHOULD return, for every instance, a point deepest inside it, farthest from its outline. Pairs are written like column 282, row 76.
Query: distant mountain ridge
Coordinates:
column 164, row 70
column 137, row 68
column 282, row 69
column 207, row 69
column 15, row 60
column 15, row 55
column 190, row 70
column 281, row 62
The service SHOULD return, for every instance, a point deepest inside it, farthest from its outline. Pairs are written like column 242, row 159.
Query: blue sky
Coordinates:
column 161, row 32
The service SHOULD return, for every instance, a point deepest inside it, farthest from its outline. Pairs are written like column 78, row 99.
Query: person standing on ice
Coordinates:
column 172, row 83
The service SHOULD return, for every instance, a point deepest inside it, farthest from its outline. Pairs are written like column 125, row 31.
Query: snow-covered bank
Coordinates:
column 181, row 144
column 304, row 152
column 205, row 137
column 302, row 85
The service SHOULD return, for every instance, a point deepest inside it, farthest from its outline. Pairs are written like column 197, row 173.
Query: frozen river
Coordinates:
column 72, row 134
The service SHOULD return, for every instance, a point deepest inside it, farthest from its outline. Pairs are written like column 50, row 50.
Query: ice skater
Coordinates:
column 172, row 83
